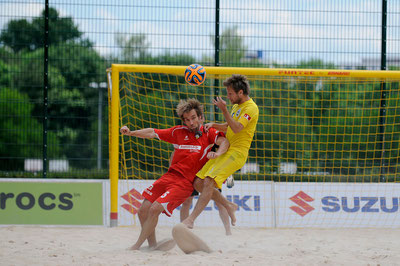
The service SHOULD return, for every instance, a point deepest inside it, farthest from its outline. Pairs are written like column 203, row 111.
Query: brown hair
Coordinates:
column 238, row 82
column 188, row 105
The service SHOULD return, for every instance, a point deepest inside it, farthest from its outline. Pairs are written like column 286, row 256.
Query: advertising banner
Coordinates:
column 327, row 205
column 51, row 203
column 253, row 198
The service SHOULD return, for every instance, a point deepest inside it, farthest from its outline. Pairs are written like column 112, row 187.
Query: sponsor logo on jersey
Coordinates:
column 186, row 137
column 189, row 147
column 238, row 112
column 247, row 117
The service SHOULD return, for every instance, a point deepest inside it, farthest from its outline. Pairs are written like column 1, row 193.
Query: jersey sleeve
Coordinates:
column 166, row 134
column 248, row 113
column 214, row 134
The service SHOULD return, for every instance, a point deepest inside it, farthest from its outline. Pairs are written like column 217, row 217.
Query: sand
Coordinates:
column 29, row 245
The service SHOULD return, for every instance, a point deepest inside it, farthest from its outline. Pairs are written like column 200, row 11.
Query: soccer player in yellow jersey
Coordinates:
column 239, row 127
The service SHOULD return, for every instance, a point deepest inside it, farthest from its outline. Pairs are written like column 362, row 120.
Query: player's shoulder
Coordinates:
column 212, row 131
column 179, row 129
column 251, row 105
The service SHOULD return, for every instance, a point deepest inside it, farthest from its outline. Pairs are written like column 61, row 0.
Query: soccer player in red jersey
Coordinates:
column 192, row 146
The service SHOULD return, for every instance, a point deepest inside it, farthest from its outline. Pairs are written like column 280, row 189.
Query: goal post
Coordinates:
column 315, row 125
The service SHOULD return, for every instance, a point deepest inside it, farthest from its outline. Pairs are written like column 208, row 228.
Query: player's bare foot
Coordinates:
column 188, row 223
column 231, row 212
column 134, row 247
column 165, row 245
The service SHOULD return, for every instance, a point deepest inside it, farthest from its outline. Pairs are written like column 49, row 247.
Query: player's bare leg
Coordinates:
column 142, row 214
column 229, row 206
column 204, row 199
column 223, row 213
column 198, row 184
column 218, row 198
column 185, row 208
column 149, row 225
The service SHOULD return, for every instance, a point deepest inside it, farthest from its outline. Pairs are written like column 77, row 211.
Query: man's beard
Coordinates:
column 237, row 101
column 194, row 130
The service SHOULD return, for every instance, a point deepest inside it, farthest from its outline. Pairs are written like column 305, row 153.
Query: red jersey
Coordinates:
column 190, row 151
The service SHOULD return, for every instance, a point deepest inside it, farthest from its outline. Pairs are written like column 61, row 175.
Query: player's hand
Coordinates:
column 208, row 126
column 220, row 103
column 212, row 155
column 124, row 130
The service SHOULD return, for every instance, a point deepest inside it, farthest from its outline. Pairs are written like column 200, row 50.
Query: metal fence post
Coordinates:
column 216, row 56
column 382, row 107
column 45, row 85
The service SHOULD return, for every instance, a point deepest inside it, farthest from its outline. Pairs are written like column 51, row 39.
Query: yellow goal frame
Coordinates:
column 116, row 69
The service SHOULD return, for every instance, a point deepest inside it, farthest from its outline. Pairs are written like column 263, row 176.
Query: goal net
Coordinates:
column 325, row 152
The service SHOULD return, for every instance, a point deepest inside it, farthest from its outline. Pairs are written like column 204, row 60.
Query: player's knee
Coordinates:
column 198, row 184
column 142, row 212
column 144, row 208
column 156, row 209
column 209, row 183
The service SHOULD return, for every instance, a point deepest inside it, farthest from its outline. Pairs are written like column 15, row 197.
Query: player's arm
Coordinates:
column 223, row 144
column 234, row 125
column 146, row 133
column 220, row 127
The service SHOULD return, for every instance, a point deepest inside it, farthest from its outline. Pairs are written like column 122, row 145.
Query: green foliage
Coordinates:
column 134, row 49
column 73, row 64
column 5, row 77
column 315, row 63
column 72, row 174
column 21, row 135
column 24, row 35
column 231, row 46
column 173, row 59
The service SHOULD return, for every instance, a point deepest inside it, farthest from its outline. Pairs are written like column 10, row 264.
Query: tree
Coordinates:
column 5, row 77
column 24, row 35
column 73, row 64
column 134, row 49
column 231, row 46
column 16, row 143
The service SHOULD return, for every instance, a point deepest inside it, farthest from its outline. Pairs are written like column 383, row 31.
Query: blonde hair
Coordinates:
column 188, row 105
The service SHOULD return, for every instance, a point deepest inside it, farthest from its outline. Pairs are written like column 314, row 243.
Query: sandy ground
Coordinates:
column 26, row 245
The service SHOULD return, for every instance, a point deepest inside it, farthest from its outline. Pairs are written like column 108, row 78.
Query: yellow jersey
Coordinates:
column 247, row 115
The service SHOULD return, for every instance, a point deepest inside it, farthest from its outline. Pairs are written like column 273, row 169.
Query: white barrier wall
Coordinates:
column 285, row 205
column 331, row 205
column 255, row 205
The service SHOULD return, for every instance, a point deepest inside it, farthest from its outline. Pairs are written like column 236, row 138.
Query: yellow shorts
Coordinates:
column 222, row 167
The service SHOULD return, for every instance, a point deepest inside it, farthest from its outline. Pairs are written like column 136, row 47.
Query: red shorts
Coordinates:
column 171, row 190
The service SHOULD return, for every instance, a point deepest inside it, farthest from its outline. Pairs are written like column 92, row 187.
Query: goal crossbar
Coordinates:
column 212, row 72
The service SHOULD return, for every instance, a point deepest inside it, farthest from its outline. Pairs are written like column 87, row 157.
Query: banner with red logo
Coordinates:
column 334, row 205
column 285, row 205
column 253, row 198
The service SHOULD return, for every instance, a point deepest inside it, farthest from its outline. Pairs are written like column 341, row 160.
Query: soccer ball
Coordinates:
column 195, row 74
